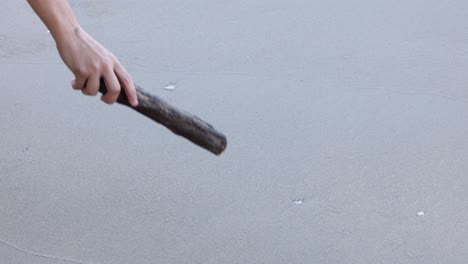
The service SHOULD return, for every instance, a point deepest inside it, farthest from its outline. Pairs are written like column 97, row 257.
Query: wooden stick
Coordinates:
column 178, row 121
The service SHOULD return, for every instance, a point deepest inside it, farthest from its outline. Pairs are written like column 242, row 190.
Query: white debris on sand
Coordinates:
column 170, row 86
column 298, row 201
column 421, row 213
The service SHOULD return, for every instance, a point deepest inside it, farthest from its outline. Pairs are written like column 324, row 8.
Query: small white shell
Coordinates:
column 169, row 87
column 420, row 213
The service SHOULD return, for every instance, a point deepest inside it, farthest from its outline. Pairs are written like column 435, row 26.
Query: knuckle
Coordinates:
column 89, row 91
column 108, row 100
column 80, row 72
column 110, row 60
column 74, row 84
column 94, row 66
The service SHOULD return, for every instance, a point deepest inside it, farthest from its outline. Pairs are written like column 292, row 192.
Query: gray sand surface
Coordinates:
column 345, row 119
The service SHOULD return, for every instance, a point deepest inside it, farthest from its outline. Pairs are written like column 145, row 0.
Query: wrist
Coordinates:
column 58, row 17
column 66, row 33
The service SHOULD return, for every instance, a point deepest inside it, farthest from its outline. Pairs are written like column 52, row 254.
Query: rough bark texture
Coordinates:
column 178, row 121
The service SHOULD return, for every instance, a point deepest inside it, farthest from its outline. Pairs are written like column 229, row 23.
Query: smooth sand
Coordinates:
column 344, row 118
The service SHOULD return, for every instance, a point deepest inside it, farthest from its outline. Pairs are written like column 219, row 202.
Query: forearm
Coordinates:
column 58, row 17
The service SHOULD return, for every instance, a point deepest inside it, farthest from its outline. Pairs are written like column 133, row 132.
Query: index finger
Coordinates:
column 127, row 84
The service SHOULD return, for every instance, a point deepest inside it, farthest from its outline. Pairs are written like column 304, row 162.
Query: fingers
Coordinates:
column 78, row 83
column 113, row 88
column 92, row 86
column 127, row 84
column 115, row 77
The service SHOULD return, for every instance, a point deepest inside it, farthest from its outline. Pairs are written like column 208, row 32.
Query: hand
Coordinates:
column 89, row 61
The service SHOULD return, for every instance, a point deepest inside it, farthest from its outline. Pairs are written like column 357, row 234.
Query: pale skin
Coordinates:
column 88, row 60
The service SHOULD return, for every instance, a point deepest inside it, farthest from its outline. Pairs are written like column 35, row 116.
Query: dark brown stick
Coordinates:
column 178, row 121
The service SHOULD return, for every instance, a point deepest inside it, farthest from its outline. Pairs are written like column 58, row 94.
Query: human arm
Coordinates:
column 88, row 60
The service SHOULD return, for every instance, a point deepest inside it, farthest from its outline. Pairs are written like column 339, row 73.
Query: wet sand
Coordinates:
column 347, row 124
